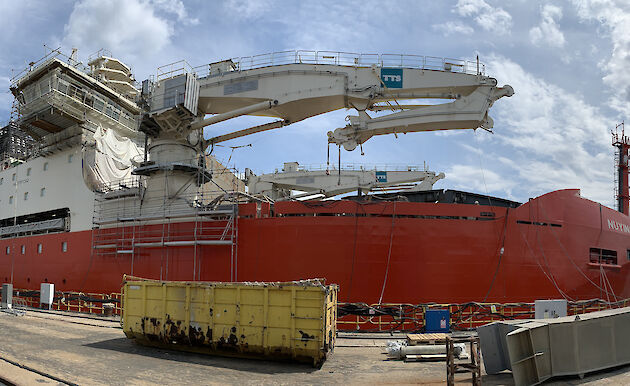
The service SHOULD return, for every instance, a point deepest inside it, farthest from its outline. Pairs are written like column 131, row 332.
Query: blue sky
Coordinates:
column 568, row 62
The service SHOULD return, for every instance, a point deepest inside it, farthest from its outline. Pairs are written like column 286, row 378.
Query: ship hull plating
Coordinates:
column 396, row 252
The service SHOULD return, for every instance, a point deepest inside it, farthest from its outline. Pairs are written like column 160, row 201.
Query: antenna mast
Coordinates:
column 622, row 143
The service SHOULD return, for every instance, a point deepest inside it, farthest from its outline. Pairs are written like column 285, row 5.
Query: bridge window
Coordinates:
column 28, row 171
column 10, row 200
column 23, row 249
column 25, row 196
column 42, row 192
column 64, row 246
column 39, row 248
column 45, row 166
column 603, row 256
column 8, row 250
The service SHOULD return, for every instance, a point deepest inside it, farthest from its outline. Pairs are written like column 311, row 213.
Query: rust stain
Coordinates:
column 306, row 337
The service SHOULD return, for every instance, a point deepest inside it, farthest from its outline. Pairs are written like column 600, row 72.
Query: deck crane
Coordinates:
column 296, row 85
column 329, row 183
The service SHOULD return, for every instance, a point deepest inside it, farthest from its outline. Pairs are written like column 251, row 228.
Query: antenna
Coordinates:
column 622, row 143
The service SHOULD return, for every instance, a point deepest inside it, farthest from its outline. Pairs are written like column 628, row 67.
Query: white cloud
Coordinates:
column 494, row 19
column 175, row 7
column 453, row 27
column 615, row 17
column 247, row 9
column 125, row 27
column 547, row 32
column 478, row 178
column 554, row 138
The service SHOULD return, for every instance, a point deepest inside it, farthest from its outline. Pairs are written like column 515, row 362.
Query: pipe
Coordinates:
column 244, row 132
column 266, row 105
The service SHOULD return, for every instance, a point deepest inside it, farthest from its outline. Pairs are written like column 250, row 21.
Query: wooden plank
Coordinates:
column 434, row 338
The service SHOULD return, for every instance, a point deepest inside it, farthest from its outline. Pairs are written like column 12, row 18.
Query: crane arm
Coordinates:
column 295, row 90
column 466, row 112
column 331, row 183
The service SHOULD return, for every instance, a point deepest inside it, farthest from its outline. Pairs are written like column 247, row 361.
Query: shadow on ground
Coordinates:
column 260, row 366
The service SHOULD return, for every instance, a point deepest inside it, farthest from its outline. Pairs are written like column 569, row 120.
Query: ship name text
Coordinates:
column 617, row 226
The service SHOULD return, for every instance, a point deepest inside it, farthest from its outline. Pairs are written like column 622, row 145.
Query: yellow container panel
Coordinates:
column 295, row 320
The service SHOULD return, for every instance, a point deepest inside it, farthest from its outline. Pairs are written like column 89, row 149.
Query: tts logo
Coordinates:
column 392, row 78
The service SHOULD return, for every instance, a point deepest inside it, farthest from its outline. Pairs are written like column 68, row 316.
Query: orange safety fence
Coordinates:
column 465, row 316
column 351, row 316
column 92, row 303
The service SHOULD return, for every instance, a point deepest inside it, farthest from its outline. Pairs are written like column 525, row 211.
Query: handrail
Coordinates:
column 359, row 167
column 338, row 58
column 54, row 53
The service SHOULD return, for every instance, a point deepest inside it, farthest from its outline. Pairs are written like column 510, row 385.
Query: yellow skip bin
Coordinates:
column 278, row 320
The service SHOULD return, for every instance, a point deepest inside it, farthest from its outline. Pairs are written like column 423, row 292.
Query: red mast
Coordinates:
column 622, row 143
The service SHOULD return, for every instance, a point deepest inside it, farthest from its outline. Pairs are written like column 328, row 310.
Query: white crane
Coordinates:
column 329, row 183
column 295, row 85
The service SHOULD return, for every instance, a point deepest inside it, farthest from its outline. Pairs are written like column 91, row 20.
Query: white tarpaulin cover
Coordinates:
column 110, row 160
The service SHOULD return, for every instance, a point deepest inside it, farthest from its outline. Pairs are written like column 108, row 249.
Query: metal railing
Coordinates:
column 338, row 58
column 16, row 76
column 359, row 167
column 467, row 316
column 90, row 303
column 379, row 317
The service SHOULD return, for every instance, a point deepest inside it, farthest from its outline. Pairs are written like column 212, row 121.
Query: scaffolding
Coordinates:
column 128, row 222
column 15, row 145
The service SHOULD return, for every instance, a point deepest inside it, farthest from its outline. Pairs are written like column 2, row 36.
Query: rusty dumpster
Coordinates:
column 273, row 320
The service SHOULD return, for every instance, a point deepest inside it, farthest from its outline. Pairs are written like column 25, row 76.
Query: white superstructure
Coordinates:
column 92, row 124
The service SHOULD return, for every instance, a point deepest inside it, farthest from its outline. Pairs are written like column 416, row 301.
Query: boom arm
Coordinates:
column 331, row 183
column 466, row 112
column 293, row 91
column 300, row 90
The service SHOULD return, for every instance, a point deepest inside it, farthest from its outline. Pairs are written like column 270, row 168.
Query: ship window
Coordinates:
column 28, row 171
column 99, row 104
column 13, row 177
column 8, row 250
column 70, row 158
column 64, row 246
column 603, row 256
column 63, row 86
column 39, row 248
column 42, row 191
column 45, row 165
column 10, row 200
column 1, row 180
column 112, row 112
column 23, row 249
column 25, row 196
column 44, row 86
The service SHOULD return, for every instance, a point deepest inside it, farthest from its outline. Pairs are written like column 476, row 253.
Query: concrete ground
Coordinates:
column 50, row 348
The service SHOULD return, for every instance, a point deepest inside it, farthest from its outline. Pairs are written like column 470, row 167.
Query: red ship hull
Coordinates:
column 395, row 252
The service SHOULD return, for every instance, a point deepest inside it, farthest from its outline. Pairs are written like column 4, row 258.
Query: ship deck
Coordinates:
column 51, row 347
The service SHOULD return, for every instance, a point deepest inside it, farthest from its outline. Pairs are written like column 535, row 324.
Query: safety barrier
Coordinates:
column 465, row 316
column 91, row 303
column 338, row 58
column 351, row 316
